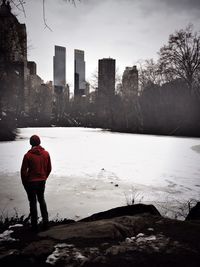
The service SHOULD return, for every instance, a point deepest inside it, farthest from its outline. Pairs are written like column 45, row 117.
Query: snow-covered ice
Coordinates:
column 94, row 170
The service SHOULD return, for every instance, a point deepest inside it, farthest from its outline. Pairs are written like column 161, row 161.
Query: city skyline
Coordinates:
column 128, row 31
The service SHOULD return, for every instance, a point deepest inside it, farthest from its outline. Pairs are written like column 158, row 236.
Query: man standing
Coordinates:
column 35, row 169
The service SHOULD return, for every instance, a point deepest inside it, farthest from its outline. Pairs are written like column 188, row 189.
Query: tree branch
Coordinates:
column 44, row 16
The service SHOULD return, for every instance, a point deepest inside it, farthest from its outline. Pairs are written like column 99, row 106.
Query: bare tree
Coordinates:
column 149, row 73
column 44, row 11
column 94, row 80
column 180, row 58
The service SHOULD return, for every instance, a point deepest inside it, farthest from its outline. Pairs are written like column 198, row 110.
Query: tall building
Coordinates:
column 79, row 73
column 13, row 61
column 130, row 82
column 19, row 82
column 13, row 41
column 106, row 77
column 61, row 89
column 59, row 68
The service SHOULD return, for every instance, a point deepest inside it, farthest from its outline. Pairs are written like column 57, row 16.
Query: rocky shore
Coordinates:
column 134, row 235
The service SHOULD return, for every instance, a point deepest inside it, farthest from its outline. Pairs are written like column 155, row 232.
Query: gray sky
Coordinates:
column 127, row 30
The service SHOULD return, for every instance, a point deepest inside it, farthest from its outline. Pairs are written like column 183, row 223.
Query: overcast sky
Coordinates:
column 126, row 30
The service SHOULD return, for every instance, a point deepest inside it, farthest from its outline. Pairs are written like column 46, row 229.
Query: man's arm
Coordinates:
column 49, row 166
column 24, row 169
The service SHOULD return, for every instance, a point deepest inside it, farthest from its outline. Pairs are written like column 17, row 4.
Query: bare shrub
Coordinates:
column 133, row 196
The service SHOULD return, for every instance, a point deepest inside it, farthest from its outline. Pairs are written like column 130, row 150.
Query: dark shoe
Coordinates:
column 34, row 229
column 45, row 226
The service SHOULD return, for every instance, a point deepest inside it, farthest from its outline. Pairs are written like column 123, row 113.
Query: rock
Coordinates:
column 39, row 248
column 102, row 229
column 9, row 253
column 130, row 210
column 118, row 241
column 194, row 213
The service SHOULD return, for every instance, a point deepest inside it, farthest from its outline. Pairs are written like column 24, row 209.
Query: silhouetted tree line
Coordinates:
column 169, row 98
column 170, row 109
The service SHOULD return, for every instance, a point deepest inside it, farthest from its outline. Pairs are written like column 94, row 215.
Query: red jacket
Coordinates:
column 36, row 165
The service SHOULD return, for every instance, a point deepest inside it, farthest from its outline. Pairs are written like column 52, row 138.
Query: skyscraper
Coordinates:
column 59, row 81
column 13, row 45
column 19, row 82
column 106, row 76
column 13, row 61
column 79, row 73
column 59, row 68
column 130, row 82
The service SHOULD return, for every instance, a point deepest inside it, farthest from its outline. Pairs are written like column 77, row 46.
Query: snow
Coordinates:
column 140, row 238
column 140, row 235
column 95, row 170
column 150, row 229
column 63, row 250
column 17, row 225
column 5, row 236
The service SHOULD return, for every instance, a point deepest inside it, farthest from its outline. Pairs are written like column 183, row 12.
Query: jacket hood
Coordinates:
column 37, row 150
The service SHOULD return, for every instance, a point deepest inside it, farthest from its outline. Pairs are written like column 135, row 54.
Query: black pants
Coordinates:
column 35, row 191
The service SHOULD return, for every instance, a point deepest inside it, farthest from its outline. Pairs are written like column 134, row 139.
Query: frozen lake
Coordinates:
column 94, row 170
